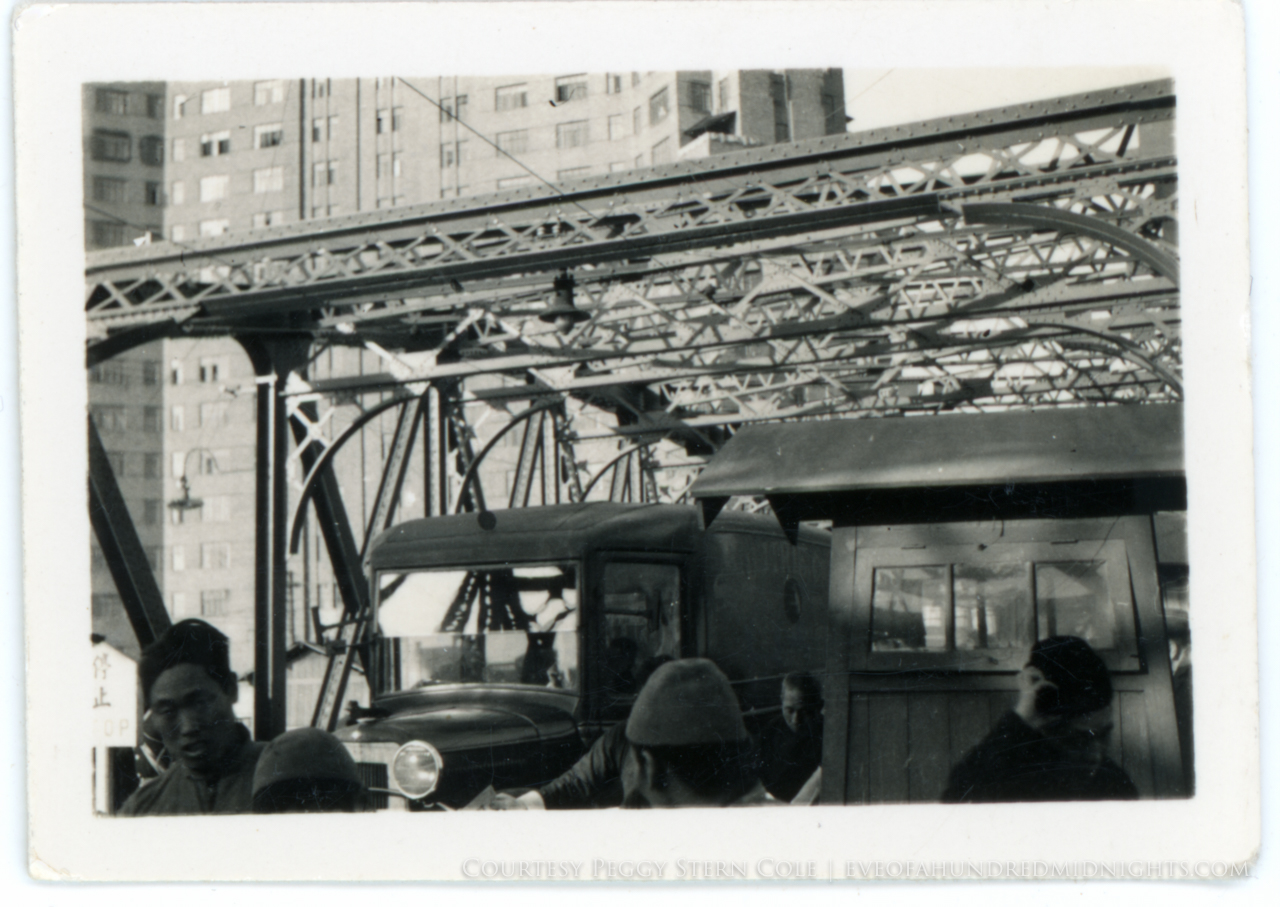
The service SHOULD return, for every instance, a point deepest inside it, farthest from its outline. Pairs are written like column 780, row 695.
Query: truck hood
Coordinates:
column 457, row 717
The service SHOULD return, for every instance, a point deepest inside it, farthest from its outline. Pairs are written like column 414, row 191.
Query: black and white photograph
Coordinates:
column 523, row 445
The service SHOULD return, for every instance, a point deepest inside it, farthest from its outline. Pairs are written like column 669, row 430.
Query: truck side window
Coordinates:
column 641, row 606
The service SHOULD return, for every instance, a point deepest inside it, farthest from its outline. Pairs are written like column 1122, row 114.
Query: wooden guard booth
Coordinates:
column 958, row 540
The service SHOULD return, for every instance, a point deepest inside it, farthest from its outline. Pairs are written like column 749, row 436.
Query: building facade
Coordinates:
column 178, row 161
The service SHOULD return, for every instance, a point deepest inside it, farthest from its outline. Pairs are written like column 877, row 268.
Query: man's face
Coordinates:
column 800, row 715
column 194, row 716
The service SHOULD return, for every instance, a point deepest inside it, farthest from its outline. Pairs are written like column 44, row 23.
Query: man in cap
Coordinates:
column 189, row 690
column 689, row 744
column 307, row 771
column 1052, row 746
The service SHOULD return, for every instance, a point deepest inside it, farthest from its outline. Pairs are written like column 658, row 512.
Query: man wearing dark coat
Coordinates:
column 1052, row 745
column 189, row 690
column 791, row 745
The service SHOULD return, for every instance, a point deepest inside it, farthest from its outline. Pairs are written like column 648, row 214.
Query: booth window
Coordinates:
column 981, row 606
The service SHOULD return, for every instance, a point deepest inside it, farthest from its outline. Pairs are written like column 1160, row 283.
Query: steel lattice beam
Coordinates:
column 1019, row 257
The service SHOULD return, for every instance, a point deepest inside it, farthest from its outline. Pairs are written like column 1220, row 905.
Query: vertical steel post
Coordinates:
column 436, row 444
column 272, row 362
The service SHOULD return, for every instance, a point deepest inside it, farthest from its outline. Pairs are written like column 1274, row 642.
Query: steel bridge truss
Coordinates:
column 1012, row 258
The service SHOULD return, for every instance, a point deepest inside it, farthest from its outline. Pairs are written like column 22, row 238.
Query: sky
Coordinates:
column 888, row 97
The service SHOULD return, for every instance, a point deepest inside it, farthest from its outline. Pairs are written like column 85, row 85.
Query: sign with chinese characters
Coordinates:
column 115, row 697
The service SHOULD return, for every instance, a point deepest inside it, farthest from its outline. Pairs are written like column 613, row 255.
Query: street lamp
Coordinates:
column 187, row 502
column 562, row 312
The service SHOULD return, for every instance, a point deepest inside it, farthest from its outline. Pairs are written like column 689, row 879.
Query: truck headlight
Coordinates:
column 415, row 770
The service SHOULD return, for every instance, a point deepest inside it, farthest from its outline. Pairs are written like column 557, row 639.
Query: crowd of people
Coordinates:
column 685, row 743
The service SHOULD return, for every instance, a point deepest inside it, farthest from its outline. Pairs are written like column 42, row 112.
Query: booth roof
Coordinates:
column 1060, row 445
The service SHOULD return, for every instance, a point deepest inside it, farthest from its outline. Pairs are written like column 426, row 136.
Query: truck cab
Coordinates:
column 504, row 643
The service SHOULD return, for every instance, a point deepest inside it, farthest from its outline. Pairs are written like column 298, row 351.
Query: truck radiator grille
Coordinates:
column 374, row 774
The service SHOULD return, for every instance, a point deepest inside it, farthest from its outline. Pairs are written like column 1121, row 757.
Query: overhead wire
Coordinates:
column 452, row 114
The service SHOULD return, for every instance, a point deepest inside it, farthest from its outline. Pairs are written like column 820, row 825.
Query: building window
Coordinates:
column 270, row 92
column 213, row 370
column 390, row 120
column 215, row 556
column 213, row 188
column 107, row 234
column 388, row 165
column 700, row 96
column 110, row 101
column 267, row 219
column 106, row 145
column 613, row 83
column 179, row 106
column 214, row 227
column 214, row 144
column 724, row 94
column 150, row 511
column 324, row 173
column 270, row 179
column 215, row 100
column 155, row 106
column 108, row 418
column 637, row 120
column 213, row 414
column 215, row 602
column 151, row 466
column 635, row 79
column 453, row 109
column 216, row 509
column 514, row 142
column 177, row 233
column 617, row 125
column 151, row 419
column 659, row 106
column 105, row 604
column 116, row 459
column 179, row 558
column 572, row 173
column 511, row 97
column 108, row 189
column 151, row 150
column 153, row 194
column 175, row 371
column 451, row 154
column 179, row 605
column 661, row 152
column 571, row 135
column 512, row 182
column 150, row 373
column 178, row 193
column 110, row 372
column 176, row 415
column 179, row 149
column 97, row 560
column 571, row 88
column 178, row 464
column 319, row 88
column 268, row 135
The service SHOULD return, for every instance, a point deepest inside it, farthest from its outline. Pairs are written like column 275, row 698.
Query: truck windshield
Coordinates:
column 483, row 625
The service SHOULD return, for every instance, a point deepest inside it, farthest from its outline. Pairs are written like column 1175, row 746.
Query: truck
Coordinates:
column 503, row 643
